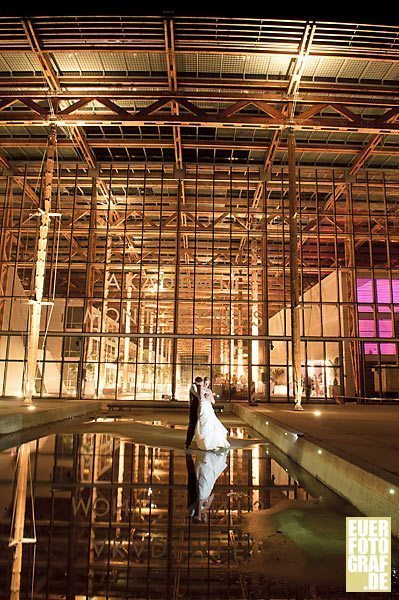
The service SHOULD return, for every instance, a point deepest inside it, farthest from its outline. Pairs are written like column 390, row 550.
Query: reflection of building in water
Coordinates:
column 112, row 519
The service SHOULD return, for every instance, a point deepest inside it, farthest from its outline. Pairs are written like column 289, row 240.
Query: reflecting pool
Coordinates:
column 119, row 510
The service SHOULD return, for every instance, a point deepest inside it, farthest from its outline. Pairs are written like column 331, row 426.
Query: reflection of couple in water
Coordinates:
column 201, row 478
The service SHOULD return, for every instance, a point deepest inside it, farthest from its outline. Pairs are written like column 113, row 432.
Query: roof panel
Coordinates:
column 233, row 64
column 89, row 61
column 113, row 62
column 157, row 62
column 329, row 67
column 209, row 63
column 187, row 63
column 279, row 65
column 4, row 66
column 376, row 70
column 66, row 62
column 393, row 73
column 311, row 64
column 256, row 155
column 22, row 62
column 257, row 65
column 137, row 62
column 352, row 69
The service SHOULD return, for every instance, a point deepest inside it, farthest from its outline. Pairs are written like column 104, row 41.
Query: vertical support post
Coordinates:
column 240, row 346
column 36, row 303
column 161, row 359
column 352, row 348
column 89, row 370
column 17, row 534
column 6, row 241
column 126, row 342
column 254, row 318
column 294, row 274
column 176, row 294
column 264, row 322
column 151, row 345
column 104, row 318
column 232, row 345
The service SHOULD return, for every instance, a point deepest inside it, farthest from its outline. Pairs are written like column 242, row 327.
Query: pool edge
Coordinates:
column 368, row 492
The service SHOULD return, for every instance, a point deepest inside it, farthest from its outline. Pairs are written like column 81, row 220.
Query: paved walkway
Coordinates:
column 15, row 416
column 353, row 449
column 367, row 435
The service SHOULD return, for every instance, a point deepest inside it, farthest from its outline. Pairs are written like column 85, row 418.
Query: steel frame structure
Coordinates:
column 268, row 115
column 231, row 190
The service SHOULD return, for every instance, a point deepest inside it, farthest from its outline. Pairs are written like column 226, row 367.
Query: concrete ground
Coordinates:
column 366, row 435
column 351, row 448
column 16, row 417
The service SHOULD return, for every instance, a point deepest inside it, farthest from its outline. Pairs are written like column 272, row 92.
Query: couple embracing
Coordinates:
column 204, row 426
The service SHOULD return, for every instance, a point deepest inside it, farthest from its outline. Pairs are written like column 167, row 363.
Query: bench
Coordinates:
column 120, row 406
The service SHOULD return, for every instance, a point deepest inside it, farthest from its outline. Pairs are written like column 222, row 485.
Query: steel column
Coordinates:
column 294, row 274
column 36, row 303
column 176, row 293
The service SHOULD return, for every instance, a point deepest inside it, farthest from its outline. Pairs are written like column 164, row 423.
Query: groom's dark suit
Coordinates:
column 193, row 418
column 192, row 485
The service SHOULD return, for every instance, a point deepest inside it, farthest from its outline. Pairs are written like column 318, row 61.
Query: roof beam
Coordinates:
column 271, row 95
column 221, row 36
column 294, row 81
column 219, row 144
column 16, row 118
column 359, row 161
column 48, row 70
column 51, row 77
column 298, row 66
column 172, row 82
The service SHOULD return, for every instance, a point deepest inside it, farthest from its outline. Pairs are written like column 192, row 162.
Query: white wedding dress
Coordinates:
column 210, row 434
column 208, row 468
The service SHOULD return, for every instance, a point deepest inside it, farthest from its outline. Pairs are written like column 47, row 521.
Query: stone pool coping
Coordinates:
column 15, row 417
column 366, row 486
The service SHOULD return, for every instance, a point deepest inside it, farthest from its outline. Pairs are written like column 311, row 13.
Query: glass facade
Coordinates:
column 153, row 277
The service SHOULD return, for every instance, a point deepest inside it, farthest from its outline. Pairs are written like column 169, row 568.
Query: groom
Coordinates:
column 193, row 415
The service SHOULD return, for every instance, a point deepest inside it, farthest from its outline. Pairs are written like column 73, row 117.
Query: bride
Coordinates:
column 210, row 434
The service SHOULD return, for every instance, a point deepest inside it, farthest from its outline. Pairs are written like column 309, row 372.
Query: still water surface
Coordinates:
column 121, row 511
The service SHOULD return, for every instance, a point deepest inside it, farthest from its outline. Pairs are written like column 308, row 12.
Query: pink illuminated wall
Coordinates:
column 367, row 326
